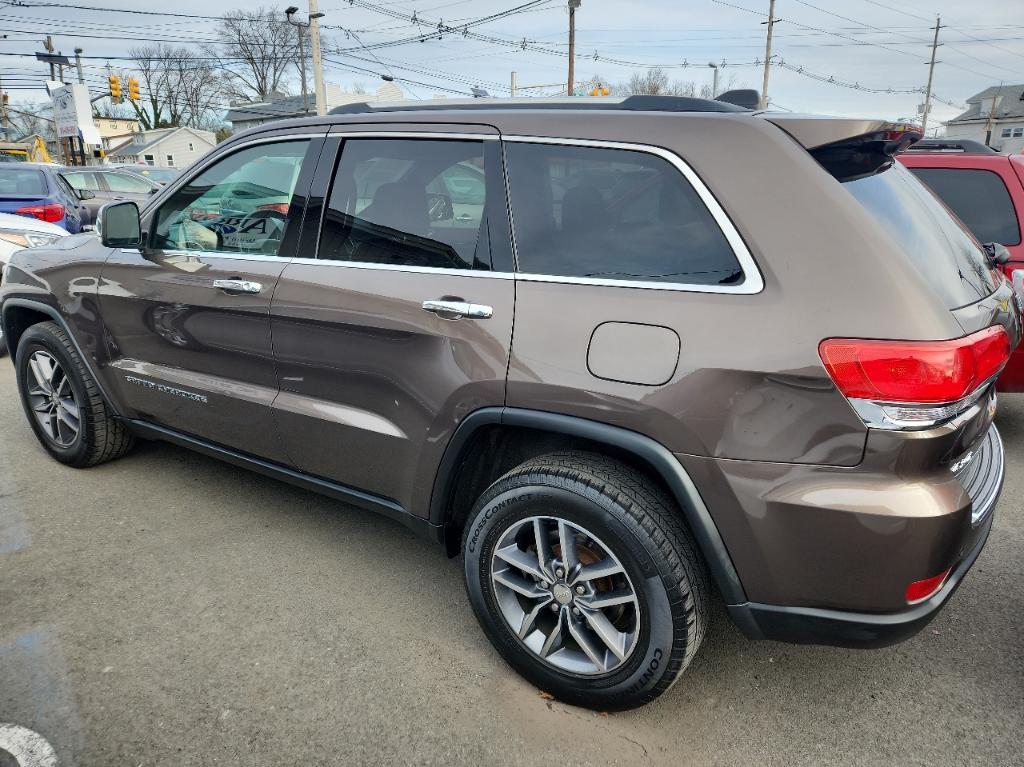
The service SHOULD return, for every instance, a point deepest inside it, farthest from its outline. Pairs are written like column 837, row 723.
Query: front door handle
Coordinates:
column 238, row 286
column 456, row 310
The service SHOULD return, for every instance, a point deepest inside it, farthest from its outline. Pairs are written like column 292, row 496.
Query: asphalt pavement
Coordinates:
column 167, row 609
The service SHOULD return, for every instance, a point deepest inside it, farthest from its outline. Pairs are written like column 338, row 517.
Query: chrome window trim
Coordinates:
column 418, row 134
column 404, row 268
column 753, row 281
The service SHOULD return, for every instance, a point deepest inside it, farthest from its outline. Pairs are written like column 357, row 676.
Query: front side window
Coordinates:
column 979, row 198
column 408, row 202
column 237, row 205
column 123, row 182
column 612, row 214
column 82, row 180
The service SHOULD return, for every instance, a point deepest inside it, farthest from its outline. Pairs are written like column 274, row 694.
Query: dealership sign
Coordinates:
column 72, row 113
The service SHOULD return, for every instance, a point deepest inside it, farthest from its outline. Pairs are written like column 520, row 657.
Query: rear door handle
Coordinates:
column 456, row 310
column 238, row 286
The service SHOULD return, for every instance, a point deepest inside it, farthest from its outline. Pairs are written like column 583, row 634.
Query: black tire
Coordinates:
column 101, row 437
column 641, row 527
column 3, row 342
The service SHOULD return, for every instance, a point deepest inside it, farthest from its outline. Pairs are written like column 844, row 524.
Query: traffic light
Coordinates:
column 115, row 87
column 133, row 89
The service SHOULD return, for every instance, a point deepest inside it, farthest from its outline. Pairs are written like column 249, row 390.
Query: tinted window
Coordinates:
column 979, row 198
column 23, row 182
column 122, row 182
column 612, row 214
column 947, row 257
column 408, row 202
column 81, row 180
column 238, row 205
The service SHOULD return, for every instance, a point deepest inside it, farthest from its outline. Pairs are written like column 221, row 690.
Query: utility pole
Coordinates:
column 931, row 71
column 301, row 28
column 3, row 113
column 49, row 49
column 78, row 64
column 513, row 87
column 573, row 5
column 768, row 53
column 992, row 114
column 714, row 82
column 318, row 70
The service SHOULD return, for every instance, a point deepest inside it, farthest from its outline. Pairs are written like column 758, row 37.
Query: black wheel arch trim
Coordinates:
column 653, row 453
column 60, row 319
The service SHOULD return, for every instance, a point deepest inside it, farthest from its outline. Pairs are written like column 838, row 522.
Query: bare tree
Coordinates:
column 257, row 50
column 28, row 119
column 655, row 82
column 178, row 87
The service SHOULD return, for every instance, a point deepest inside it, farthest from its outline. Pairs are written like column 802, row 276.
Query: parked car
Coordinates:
column 38, row 191
column 985, row 189
column 161, row 176
column 17, row 233
column 679, row 352
column 106, row 184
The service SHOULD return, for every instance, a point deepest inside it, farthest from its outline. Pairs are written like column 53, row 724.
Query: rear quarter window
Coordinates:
column 946, row 255
column 613, row 214
column 979, row 198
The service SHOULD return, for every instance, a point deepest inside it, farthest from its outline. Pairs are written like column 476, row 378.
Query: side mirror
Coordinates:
column 85, row 194
column 119, row 225
column 997, row 253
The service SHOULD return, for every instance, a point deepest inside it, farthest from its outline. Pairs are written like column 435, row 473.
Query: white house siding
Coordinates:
column 184, row 146
column 976, row 131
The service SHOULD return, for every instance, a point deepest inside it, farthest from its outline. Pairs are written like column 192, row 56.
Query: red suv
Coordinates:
column 986, row 190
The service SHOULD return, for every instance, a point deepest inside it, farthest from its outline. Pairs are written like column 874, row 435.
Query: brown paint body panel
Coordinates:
column 373, row 386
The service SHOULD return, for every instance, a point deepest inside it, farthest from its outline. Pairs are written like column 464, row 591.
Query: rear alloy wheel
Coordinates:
column 584, row 577
column 565, row 595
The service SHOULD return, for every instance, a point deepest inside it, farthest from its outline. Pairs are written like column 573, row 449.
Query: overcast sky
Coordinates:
column 878, row 44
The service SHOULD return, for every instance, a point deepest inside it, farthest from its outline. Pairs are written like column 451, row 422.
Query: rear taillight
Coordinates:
column 51, row 212
column 908, row 384
column 918, row 591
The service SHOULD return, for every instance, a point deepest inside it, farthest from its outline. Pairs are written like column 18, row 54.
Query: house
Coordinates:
column 164, row 148
column 250, row 114
column 115, row 131
column 995, row 116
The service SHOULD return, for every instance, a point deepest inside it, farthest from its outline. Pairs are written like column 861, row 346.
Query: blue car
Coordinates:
column 38, row 191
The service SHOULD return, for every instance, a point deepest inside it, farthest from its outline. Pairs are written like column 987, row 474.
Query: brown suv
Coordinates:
column 625, row 356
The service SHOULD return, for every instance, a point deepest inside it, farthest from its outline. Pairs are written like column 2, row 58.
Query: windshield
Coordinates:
column 949, row 258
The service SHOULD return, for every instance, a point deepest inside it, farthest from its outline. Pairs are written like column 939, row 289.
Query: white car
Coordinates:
column 18, row 233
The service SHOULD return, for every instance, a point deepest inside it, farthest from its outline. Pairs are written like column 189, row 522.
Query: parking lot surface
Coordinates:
column 167, row 609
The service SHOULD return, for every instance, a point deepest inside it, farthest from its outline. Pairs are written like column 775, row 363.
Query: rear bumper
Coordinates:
column 805, row 625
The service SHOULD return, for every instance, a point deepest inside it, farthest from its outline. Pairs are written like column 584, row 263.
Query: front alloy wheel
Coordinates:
column 52, row 400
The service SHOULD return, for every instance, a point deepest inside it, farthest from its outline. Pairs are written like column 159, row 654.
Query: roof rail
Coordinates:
column 629, row 104
column 961, row 146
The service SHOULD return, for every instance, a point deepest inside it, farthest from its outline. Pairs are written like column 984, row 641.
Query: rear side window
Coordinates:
column 22, row 182
column 947, row 257
column 979, row 198
column 408, row 202
column 612, row 214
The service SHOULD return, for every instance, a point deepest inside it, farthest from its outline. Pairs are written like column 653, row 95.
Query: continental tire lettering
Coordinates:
column 648, row 674
column 481, row 522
